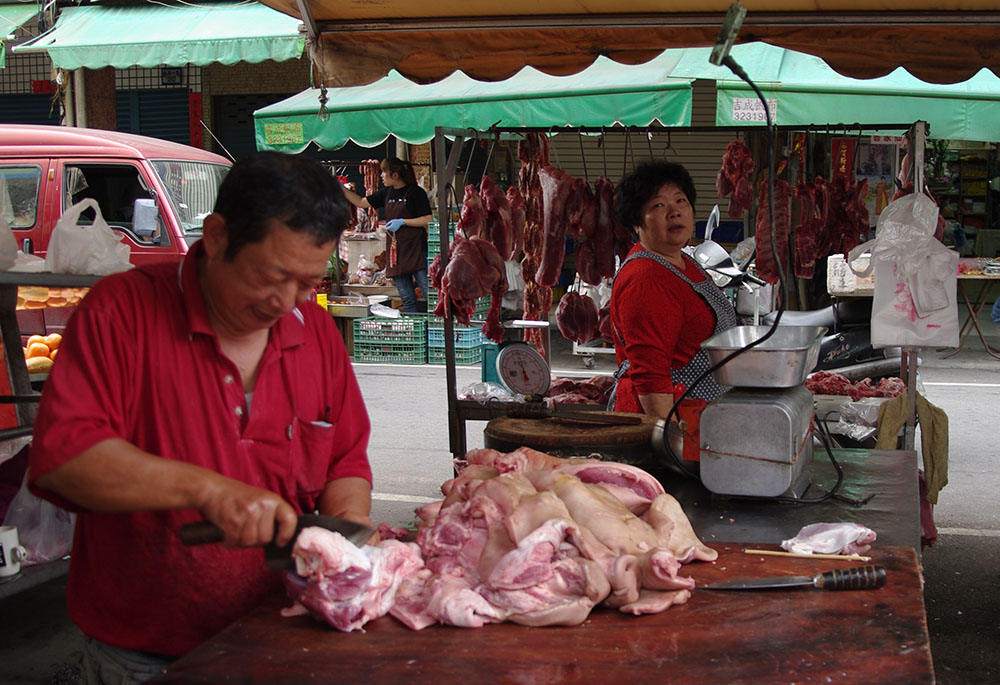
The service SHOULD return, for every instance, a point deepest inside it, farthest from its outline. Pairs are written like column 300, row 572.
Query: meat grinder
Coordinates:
column 756, row 440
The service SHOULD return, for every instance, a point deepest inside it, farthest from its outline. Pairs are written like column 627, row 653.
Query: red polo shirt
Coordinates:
column 140, row 362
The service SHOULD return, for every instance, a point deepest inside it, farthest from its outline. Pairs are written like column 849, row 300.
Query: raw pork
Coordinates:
column 733, row 179
column 557, row 189
column 831, row 538
column 577, row 317
column 472, row 218
column 499, row 228
column 474, row 269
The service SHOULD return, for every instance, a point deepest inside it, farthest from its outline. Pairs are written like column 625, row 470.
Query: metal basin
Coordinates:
column 782, row 361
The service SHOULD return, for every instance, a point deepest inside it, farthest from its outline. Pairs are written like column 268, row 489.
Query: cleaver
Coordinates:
column 857, row 578
column 280, row 558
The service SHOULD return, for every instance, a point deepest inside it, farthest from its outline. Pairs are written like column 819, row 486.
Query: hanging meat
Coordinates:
column 499, row 228
column 733, row 179
column 557, row 188
column 533, row 152
column 371, row 172
column 517, row 220
column 474, row 269
column 808, row 234
column 577, row 317
column 767, row 258
column 609, row 235
column 472, row 218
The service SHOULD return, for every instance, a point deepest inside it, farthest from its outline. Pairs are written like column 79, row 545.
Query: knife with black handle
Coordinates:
column 856, row 578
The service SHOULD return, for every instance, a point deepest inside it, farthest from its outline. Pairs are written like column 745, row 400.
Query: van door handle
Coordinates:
column 26, row 246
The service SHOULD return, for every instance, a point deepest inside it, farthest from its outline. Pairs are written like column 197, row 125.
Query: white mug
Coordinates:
column 11, row 553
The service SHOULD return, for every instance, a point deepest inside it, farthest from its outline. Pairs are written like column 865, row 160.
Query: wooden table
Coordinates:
column 873, row 636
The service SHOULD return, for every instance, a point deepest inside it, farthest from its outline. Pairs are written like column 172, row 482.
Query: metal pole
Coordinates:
column 918, row 141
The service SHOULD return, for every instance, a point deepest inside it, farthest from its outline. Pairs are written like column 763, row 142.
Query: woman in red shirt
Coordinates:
column 663, row 304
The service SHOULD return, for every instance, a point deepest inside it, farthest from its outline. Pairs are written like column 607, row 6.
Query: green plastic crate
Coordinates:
column 376, row 329
column 482, row 304
column 464, row 336
column 463, row 356
column 391, row 352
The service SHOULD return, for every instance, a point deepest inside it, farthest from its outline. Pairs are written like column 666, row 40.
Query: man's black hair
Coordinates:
column 636, row 189
column 272, row 186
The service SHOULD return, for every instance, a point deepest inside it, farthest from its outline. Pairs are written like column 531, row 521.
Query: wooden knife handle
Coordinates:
column 856, row 578
column 201, row 533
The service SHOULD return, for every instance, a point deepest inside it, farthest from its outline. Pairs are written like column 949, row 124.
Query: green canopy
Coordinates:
column 803, row 90
column 604, row 94
column 96, row 36
column 13, row 17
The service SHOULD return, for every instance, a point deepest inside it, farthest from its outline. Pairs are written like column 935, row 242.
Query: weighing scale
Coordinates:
column 522, row 370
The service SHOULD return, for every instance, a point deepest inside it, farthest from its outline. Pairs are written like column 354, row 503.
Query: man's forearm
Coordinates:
column 349, row 498
column 115, row 476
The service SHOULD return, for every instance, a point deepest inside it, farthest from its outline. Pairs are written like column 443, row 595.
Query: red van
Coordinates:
column 154, row 192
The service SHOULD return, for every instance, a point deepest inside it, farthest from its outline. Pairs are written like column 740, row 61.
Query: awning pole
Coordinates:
column 68, row 102
column 80, row 98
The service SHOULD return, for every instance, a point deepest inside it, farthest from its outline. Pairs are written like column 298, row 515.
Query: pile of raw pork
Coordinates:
column 523, row 537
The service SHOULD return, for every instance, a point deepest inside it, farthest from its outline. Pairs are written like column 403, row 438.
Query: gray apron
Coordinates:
column 725, row 318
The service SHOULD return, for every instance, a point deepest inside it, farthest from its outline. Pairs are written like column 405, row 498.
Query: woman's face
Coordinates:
column 667, row 220
column 391, row 179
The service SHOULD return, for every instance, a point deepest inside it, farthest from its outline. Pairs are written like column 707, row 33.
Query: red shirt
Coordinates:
column 140, row 362
column 663, row 321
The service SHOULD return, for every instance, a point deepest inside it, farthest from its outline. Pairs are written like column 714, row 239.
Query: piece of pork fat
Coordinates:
column 610, row 474
column 526, row 459
column 344, row 585
column 425, row 598
column 655, row 601
column 460, row 487
column 667, row 517
column 542, row 582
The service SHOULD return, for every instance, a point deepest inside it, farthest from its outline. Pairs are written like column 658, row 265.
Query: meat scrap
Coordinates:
column 474, row 268
column 523, row 537
column 577, row 317
column 831, row 538
column 828, row 383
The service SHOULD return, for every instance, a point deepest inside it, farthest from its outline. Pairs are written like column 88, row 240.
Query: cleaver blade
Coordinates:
column 280, row 558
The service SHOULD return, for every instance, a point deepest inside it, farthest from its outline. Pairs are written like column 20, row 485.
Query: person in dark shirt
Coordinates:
column 407, row 214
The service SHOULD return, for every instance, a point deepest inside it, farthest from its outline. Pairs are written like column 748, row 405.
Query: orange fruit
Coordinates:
column 52, row 340
column 38, row 349
column 52, row 354
column 35, row 339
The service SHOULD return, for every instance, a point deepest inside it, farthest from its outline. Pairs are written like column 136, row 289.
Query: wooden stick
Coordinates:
column 773, row 553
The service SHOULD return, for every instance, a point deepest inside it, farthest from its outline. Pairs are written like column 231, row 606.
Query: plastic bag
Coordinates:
column 916, row 278
column 8, row 245
column 44, row 530
column 487, row 392
column 94, row 249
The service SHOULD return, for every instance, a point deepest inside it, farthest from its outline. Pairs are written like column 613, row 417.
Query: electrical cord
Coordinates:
column 820, row 428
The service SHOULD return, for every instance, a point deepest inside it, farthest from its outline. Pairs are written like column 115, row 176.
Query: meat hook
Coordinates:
column 649, row 142
column 486, row 166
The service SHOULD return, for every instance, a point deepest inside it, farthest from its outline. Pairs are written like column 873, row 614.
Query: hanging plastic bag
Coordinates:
column 8, row 245
column 44, row 530
column 94, row 249
column 916, row 277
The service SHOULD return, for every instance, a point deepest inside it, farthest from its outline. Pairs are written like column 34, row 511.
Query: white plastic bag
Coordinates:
column 916, row 278
column 94, row 249
column 43, row 529
column 8, row 245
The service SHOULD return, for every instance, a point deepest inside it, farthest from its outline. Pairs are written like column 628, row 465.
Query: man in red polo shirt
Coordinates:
column 210, row 391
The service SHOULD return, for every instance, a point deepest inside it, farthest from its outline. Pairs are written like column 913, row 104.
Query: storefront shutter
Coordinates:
column 158, row 113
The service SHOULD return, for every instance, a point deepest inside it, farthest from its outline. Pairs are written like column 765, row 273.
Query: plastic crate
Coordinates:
column 464, row 336
column 463, row 356
column 376, row 329
column 391, row 352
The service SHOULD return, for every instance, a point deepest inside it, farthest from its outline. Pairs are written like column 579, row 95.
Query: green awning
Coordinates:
column 13, row 17
column 95, row 36
column 604, row 94
column 804, row 91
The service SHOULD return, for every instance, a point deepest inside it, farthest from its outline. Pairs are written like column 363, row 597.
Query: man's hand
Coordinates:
column 247, row 515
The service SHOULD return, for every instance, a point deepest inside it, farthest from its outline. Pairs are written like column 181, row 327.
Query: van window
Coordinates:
column 192, row 188
column 115, row 187
column 19, row 195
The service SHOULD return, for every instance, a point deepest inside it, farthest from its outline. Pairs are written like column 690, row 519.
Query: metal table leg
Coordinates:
column 973, row 319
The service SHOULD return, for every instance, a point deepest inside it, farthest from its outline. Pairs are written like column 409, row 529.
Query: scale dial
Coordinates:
column 522, row 370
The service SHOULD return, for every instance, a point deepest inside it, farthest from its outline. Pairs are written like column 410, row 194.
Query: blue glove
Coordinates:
column 393, row 225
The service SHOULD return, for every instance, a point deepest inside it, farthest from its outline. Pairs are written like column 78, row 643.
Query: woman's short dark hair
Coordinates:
column 403, row 169
column 636, row 189
column 272, row 186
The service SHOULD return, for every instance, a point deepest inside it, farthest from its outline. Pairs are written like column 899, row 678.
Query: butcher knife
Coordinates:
column 857, row 578
column 537, row 410
column 280, row 558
